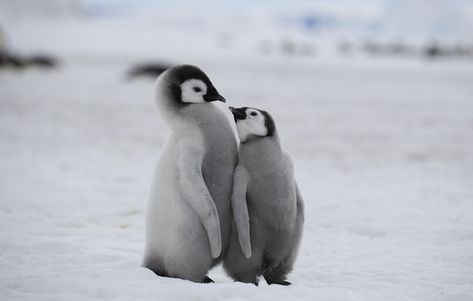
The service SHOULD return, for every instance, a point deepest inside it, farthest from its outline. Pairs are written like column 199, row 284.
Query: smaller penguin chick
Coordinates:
column 268, row 210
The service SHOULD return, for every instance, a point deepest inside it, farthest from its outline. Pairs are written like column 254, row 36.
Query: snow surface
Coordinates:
column 383, row 151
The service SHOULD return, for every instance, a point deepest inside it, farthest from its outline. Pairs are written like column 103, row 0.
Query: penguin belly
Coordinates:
column 176, row 239
column 274, row 234
column 274, row 205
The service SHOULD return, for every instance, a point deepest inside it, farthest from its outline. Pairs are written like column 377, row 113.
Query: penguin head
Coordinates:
column 252, row 123
column 188, row 84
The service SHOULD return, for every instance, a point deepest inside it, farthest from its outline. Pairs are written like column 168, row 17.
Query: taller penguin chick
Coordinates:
column 267, row 207
column 189, row 219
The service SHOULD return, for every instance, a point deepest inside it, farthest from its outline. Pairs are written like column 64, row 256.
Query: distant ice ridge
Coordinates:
column 401, row 19
column 232, row 29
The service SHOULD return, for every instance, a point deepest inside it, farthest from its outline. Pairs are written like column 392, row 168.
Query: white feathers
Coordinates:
column 252, row 125
column 193, row 91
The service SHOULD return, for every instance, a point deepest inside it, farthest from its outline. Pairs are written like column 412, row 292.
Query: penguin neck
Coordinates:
column 181, row 117
column 263, row 153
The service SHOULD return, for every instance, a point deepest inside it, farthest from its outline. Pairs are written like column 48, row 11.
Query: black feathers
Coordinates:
column 185, row 72
column 268, row 123
column 181, row 73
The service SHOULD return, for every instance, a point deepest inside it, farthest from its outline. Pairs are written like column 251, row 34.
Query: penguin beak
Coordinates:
column 218, row 97
column 213, row 95
column 238, row 114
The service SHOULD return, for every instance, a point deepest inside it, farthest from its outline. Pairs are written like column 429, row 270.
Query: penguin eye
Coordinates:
column 197, row 89
column 253, row 114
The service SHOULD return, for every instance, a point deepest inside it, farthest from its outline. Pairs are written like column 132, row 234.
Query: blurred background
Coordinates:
column 373, row 99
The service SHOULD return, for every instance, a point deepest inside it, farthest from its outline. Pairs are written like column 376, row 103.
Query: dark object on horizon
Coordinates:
column 150, row 70
column 371, row 48
column 288, row 47
column 11, row 60
column 394, row 48
column 463, row 50
column 433, row 51
column 345, row 47
column 43, row 61
column 436, row 50
column 399, row 48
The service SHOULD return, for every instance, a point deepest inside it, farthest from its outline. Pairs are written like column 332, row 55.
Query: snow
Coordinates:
column 382, row 150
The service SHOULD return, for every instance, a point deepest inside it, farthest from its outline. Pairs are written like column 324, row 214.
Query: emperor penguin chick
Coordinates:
column 267, row 207
column 188, row 222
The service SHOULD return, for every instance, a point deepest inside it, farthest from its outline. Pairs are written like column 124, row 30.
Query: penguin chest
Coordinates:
column 272, row 200
column 168, row 209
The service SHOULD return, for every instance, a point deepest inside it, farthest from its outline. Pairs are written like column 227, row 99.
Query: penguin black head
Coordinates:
column 189, row 84
column 253, row 122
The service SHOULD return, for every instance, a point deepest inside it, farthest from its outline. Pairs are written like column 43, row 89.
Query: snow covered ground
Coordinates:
column 383, row 156
column 383, row 152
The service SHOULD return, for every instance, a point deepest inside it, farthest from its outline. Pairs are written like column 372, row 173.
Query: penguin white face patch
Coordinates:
column 252, row 125
column 193, row 91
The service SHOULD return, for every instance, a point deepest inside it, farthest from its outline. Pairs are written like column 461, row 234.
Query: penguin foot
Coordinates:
column 207, row 279
column 281, row 282
column 255, row 283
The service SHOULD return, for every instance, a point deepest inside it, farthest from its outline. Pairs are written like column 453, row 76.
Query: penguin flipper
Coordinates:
column 197, row 194
column 300, row 205
column 240, row 209
column 299, row 199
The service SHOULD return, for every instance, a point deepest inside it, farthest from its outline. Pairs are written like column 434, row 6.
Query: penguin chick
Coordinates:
column 268, row 209
column 189, row 215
